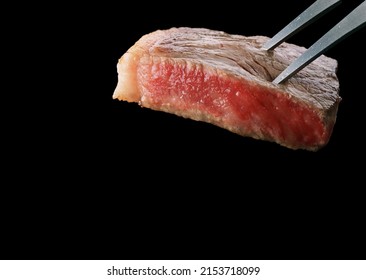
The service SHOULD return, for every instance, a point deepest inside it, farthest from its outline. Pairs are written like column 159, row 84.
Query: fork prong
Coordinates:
column 312, row 13
column 350, row 24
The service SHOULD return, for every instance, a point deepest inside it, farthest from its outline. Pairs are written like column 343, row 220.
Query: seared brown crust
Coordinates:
column 316, row 84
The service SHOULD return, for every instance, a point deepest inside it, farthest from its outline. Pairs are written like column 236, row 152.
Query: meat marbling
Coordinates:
column 226, row 80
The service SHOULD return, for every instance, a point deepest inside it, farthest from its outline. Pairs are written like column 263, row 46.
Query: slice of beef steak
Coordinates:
column 226, row 80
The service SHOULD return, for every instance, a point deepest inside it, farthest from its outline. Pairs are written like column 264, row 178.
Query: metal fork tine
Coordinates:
column 351, row 23
column 312, row 13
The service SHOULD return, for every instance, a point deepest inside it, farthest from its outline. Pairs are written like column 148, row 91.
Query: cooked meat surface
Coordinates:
column 226, row 80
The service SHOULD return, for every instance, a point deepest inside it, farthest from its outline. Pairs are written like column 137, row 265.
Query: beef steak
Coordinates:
column 226, row 80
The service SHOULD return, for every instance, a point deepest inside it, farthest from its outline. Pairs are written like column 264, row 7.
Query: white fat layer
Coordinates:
column 126, row 88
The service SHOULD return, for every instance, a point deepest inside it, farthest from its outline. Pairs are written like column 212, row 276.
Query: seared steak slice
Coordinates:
column 226, row 80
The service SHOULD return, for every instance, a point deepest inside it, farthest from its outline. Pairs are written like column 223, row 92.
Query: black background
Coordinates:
column 95, row 178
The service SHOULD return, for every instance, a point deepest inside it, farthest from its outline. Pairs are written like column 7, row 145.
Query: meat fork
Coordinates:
column 348, row 25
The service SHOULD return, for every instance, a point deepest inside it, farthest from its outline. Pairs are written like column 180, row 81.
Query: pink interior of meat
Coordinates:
column 235, row 104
